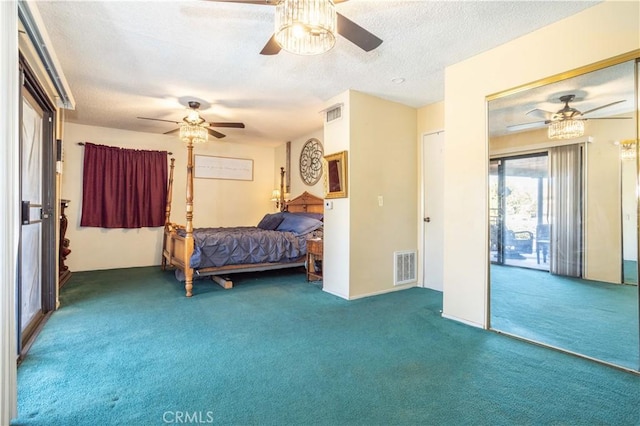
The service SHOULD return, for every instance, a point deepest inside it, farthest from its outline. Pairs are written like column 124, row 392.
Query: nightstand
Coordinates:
column 314, row 255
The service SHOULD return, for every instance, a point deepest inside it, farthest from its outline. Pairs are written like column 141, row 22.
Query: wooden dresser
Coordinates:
column 63, row 270
column 314, row 259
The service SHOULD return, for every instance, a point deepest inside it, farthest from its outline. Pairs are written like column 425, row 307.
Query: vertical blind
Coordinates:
column 123, row 188
column 566, row 210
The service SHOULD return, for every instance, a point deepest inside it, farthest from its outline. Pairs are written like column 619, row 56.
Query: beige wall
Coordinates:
column 380, row 138
column 430, row 119
column 297, row 185
column 216, row 202
column 608, row 29
column 382, row 163
column 603, row 238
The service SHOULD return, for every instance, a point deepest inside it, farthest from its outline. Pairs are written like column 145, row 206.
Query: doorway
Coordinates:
column 36, row 264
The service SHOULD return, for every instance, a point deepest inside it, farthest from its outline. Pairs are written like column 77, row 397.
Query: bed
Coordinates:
column 278, row 241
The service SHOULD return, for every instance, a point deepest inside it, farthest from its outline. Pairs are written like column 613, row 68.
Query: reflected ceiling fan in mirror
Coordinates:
column 195, row 127
column 567, row 122
column 310, row 27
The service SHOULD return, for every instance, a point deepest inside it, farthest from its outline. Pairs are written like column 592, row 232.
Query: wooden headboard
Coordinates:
column 306, row 203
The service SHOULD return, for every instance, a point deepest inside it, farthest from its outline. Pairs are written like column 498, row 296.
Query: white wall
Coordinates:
column 336, row 261
column 608, row 29
column 9, row 214
column 216, row 202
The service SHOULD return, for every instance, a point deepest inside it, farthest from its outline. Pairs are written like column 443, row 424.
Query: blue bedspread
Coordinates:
column 244, row 245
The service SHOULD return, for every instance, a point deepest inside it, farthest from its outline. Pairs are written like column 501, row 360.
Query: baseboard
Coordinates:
column 467, row 322
column 342, row 296
column 385, row 291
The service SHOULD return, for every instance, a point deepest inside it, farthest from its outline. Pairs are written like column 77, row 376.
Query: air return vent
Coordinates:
column 404, row 270
column 334, row 113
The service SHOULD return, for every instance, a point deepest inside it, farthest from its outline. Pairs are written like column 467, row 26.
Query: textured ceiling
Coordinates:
column 128, row 59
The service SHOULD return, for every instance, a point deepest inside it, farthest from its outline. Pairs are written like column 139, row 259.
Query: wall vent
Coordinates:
column 404, row 270
column 334, row 113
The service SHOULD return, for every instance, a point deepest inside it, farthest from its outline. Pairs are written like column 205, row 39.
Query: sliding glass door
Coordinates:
column 519, row 211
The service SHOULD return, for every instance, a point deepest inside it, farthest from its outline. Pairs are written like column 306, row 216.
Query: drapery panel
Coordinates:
column 567, row 182
column 123, row 188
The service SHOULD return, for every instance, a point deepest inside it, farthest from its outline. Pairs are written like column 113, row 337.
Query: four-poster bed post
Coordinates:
column 282, row 206
column 167, row 211
column 188, row 239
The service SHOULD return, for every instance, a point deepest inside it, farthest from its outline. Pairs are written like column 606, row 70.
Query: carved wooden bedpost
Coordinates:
column 188, row 240
column 282, row 206
column 167, row 213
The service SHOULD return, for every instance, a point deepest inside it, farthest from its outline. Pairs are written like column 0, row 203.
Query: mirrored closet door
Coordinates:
column 563, row 212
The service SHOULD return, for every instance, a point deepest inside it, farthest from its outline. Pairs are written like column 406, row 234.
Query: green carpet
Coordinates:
column 630, row 271
column 127, row 348
column 596, row 319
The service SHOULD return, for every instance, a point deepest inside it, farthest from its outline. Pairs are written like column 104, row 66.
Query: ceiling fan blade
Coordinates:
column 262, row 2
column 232, row 125
column 171, row 131
column 608, row 118
column 157, row 119
column 537, row 112
column 272, row 47
column 525, row 126
column 215, row 134
column 356, row 34
column 603, row 106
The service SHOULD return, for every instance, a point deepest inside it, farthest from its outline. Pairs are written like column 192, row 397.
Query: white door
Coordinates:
column 433, row 210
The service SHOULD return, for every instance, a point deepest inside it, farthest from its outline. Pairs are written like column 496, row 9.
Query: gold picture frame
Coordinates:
column 335, row 175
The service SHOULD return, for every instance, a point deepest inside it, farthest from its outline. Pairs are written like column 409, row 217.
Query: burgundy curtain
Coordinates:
column 123, row 188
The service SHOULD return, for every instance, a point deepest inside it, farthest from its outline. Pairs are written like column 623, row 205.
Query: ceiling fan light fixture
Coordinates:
column 306, row 27
column 566, row 129
column 193, row 133
column 193, row 117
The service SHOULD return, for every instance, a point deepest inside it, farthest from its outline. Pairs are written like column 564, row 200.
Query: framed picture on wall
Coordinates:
column 212, row 167
column 336, row 175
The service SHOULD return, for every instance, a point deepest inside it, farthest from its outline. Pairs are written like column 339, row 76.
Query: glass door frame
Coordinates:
column 499, row 233
column 31, row 86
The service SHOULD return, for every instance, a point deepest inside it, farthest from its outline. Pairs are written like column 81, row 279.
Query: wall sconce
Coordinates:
column 275, row 197
column 627, row 149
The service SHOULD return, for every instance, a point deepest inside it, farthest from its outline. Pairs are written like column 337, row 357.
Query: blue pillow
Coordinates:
column 270, row 221
column 298, row 224
column 318, row 216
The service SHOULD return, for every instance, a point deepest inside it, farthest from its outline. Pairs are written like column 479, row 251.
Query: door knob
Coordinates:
column 427, row 219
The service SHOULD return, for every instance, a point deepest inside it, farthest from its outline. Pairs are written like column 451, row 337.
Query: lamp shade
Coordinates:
column 306, row 27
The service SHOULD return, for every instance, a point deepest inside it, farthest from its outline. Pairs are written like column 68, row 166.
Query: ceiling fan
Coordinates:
column 565, row 113
column 345, row 27
column 194, row 117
